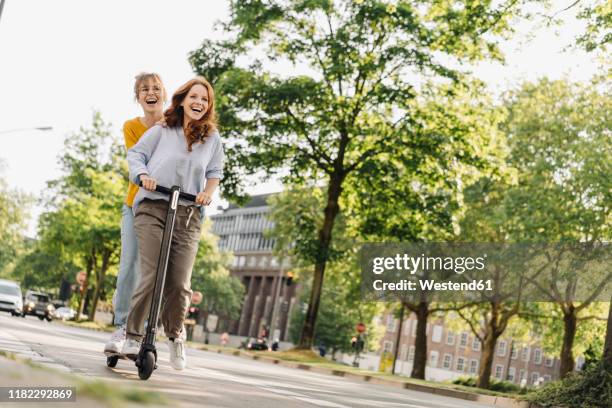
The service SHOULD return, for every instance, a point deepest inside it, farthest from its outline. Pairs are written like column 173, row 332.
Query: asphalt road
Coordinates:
column 210, row 380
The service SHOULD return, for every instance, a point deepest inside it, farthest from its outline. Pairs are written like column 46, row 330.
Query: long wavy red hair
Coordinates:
column 198, row 130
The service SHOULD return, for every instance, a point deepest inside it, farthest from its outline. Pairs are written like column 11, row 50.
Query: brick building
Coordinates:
column 241, row 231
column 452, row 354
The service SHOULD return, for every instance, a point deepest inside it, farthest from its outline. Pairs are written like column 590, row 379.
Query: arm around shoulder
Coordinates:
column 139, row 155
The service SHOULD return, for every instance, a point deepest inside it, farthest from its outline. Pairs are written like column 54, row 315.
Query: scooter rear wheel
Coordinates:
column 146, row 366
column 111, row 361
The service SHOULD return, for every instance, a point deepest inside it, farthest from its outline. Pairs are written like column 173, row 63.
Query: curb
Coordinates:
column 496, row 401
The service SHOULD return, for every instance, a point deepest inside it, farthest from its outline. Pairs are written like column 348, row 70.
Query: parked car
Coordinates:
column 65, row 313
column 258, row 345
column 10, row 297
column 38, row 304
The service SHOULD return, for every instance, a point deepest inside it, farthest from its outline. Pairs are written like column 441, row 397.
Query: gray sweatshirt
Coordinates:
column 162, row 154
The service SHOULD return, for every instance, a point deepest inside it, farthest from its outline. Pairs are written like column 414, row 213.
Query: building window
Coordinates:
column 473, row 366
column 460, row 364
column 447, row 362
column 499, row 369
column 263, row 261
column 476, row 344
column 252, row 261
column 548, row 361
column 403, row 352
column 525, row 354
column 514, row 354
column 547, row 378
column 411, row 354
column 537, row 356
column 501, row 348
column 241, row 261
column 450, row 338
column 534, row 378
column 407, row 327
column 522, row 375
column 463, row 340
column 511, row 374
column 436, row 335
column 433, row 359
column 387, row 346
column 391, row 324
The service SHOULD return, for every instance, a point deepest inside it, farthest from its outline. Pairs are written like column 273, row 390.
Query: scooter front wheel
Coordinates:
column 146, row 366
column 111, row 361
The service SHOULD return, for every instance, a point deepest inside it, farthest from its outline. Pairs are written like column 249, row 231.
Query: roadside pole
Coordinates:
column 276, row 301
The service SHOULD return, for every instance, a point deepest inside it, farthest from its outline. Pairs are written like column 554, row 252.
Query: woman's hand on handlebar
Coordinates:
column 203, row 198
column 149, row 183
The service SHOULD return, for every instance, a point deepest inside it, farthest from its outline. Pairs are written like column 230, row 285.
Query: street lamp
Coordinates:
column 41, row 128
column 1, row 7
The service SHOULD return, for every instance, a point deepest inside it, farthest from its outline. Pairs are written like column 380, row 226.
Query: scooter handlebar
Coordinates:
column 166, row 190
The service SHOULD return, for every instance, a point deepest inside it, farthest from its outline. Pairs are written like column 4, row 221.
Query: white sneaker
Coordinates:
column 116, row 341
column 131, row 347
column 178, row 358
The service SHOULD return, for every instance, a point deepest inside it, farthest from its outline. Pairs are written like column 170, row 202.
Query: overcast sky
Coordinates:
column 62, row 59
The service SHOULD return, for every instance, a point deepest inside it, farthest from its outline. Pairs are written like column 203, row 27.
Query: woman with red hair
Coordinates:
column 187, row 152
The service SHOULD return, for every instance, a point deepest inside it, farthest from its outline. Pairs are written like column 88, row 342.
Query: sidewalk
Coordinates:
column 17, row 372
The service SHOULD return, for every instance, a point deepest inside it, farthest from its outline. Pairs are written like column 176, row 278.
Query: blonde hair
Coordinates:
column 142, row 77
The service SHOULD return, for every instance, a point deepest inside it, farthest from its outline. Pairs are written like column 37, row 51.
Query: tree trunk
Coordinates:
column 493, row 329
column 99, row 285
column 420, row 343
column 91, row 260
column 486, row 360
column 569, row 333
column 325, row 236
column 607, row 355
column 398, row 338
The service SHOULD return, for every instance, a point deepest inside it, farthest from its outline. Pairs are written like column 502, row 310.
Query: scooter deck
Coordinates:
column 118, row 355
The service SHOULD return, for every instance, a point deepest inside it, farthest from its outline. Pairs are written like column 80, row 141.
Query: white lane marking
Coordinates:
column 377, row 403
column 264, row 385
column 445, row 403
column 321, row 403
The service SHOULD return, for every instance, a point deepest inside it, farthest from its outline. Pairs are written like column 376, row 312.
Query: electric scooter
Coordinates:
column 146, row 359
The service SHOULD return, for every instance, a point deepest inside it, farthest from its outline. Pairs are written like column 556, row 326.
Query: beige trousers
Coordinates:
column 149, row 225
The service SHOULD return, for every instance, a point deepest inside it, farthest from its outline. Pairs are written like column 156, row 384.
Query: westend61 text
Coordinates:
column 430, row 284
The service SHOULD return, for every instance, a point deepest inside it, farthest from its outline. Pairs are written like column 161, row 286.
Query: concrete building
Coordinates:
column 241, row 231
column 452, row 354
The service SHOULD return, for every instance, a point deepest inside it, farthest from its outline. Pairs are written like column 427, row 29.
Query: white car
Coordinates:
column 10, row 297
column 65, row 313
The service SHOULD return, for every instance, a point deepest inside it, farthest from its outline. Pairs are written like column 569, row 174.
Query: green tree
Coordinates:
column 364, row 59
column 14, row 207
column 485, row 220
column 598, row 16
column 222, row 293
column 412, row 197
column 560, row 138
column 83, row 218
column 296, row 217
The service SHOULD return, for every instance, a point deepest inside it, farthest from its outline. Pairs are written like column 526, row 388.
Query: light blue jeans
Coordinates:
column 128, row 267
